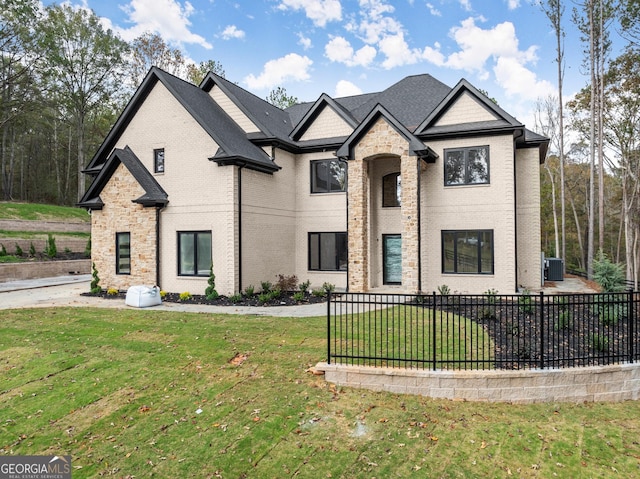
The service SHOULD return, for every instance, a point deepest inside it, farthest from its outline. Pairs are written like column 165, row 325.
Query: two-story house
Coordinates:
column 407, row 189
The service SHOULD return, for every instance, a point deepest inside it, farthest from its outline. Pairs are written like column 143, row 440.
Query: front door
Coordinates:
column 391, row 259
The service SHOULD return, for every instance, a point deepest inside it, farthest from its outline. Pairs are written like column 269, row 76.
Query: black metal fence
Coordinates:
column 487, row 331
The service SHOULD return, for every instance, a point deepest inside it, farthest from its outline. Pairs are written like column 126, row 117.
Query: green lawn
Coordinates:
column 37, row 211
column 134, row 393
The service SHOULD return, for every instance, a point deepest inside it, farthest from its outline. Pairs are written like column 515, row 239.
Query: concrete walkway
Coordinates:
column 67, row 290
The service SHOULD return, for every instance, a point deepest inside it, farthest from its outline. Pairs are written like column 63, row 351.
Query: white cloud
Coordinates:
column 433, row 10
column 168, row 18
column 320, row 12
column 340, row 50
column 517, row 80
column 466, row 5
column 304, row 41
column 291, row 67
column 513, row 4
column 346, row 88
column 231, row 31
column 397, row 51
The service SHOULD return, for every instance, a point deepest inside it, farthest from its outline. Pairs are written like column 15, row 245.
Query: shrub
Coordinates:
column 610, row 276
column 565, row 320
column 185, row 296
column 444, row 290
column 298, row 296
column 32, row 250
column 249, row 290
column 266, row 286
column 18, row 250
column 87, row 248
column 319, row 292
column 264, row 298
column 95, row 279
column 67, row 250
column 525, row 302
column 328, row 287
column 304, row 287
column 112, row 291
column 599, row 342
column 210, row 292
column 51, row 250
column 286, row 283
column 163, row 294
column 610, row 308
column 235, row 298
column 3, row 250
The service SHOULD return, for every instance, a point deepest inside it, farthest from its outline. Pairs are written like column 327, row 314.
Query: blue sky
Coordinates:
column 346, row 47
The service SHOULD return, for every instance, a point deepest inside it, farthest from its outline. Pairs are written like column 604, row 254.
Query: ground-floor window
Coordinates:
column 328, row 251
column 194, row 253
column 123, row 253
column 467, row 251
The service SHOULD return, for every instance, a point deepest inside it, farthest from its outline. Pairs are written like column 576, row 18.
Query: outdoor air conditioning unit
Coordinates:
column 553, row 269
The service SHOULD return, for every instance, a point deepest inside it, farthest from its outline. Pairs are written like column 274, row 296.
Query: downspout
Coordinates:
column 158, row 210
column 419, row 228
column 515, row 203
column 240, row 167
column 347, row 219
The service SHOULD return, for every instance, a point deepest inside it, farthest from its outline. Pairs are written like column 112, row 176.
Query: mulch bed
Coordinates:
column 286, row 299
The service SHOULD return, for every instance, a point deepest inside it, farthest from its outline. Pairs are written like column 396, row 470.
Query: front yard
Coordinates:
column 134, row 393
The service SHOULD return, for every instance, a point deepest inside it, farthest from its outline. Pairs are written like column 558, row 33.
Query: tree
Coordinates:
column 279, row 98
column 554, row 10
column 149, row 50
column 196, row 73
column 629, row 14
column 83, row 65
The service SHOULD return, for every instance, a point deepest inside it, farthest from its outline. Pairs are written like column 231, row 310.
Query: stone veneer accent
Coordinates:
column 614, row 383
column 120, row 215
column 381, row 140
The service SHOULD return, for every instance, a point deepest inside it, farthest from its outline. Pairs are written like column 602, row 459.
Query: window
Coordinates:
column 466, row 166
column 328, row 176
column 467, row 251
column 391, row 190
column 123, row 253
column 194, row 253
column 158, row 160
column 327, row 251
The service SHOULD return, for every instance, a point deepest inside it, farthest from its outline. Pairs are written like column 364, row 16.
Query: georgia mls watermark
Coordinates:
column 35, row 467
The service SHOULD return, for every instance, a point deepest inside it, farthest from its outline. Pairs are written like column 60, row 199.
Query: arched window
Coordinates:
column 391, row 190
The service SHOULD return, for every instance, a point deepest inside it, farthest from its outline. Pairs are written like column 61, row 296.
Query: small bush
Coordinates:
column 95, row 279
column 298, row 296
column 87, row 248
column 525, row 302
column 32, row 250
column 266, row 286
column 319, row 292
column 304, row 287
column 3, row 250
column 561, row 301
column 328, row 287
column 264, row 298
column 249, row 290
column 112, row 292
column 610, row 308
column 275, row 293
column 235, row 298
column 565, row 320
column 210, row 292
column 610, row 276
column 163, row 294
column 599, row 342
column 185, row 296
column 51, row 250
column 286, row 283
column 18, row 250
column 444, row 290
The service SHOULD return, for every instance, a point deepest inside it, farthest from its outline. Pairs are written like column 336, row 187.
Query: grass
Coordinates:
column 134, row 393
column 31, row 235
column 36, row 211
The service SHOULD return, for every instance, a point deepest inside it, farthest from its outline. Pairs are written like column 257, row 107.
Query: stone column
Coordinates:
column 409, row 211
column 357, row 223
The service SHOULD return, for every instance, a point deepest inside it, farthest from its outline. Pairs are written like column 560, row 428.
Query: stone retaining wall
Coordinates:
column 43, row 269
column 45, row 226
column 614, row 383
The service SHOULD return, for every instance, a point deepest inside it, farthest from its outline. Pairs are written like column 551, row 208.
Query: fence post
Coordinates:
column 329, row 327
column 433, row 330
column 541, row 329
column 631, row 318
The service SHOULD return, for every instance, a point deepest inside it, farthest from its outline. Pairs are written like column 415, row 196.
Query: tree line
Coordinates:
column 64, row 78
column 590, row 185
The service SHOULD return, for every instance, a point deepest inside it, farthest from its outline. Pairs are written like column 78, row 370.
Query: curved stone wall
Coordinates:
column 613, row 383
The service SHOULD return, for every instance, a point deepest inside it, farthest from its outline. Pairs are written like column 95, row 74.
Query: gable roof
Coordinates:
column 325, row 101
column 153, row 195
column 416, row 147
column 231, row 139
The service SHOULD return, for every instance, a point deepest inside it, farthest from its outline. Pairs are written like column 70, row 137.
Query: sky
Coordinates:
column 346, row 47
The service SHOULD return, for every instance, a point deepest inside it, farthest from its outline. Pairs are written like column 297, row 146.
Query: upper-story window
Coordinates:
column 466, row 166
column 328, row 176
column 391, row 190
column 158, row 160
